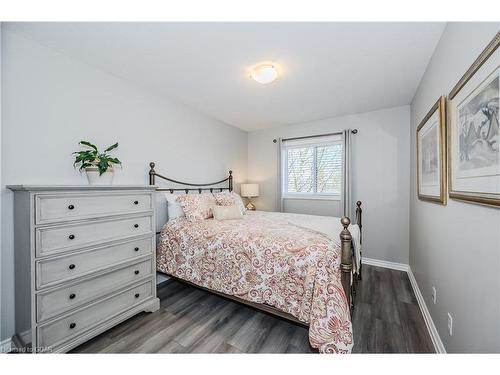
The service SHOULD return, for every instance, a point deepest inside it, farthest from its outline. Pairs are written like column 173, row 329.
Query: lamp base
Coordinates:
column 250, row 206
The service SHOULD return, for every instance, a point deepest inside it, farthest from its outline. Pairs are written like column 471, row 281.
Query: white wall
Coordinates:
column 456, row 247
column 50, row 102
column 380, row 175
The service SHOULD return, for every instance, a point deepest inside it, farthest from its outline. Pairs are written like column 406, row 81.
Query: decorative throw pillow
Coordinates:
column 174, row 208
column 226, row 198
column 197, row 206
column 227, row 212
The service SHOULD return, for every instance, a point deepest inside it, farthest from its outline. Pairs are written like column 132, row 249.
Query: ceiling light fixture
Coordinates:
column 264, row 73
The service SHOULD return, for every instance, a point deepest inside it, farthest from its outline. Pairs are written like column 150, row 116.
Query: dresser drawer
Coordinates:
column 64, row 268
column 50, row 304
column 70, row 237
column 55, row 333
column 74, row 206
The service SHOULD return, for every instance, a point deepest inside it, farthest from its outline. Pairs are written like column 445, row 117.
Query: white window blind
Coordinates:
column 312, row 167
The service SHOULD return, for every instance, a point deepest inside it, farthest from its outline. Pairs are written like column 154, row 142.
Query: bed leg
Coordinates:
column 346, row 260
column 359, row 213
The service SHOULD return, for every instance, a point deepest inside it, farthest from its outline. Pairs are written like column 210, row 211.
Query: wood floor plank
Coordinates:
column 386, row 319
column 179, row 302
column 179, row 323
column 206, row 326
column 139, row 337
column 252, row 333
column 299, row 341
column 171, row 347
column 278, row 339
column 222, row 331
column 363, row 325
column 402, row 287
column 386, row 305
column 389, row 337
column 226, row 348
column 417, row 338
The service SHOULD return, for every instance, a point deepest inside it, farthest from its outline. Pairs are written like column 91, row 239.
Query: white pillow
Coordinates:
column 226, row 212
column 174, row 207
column 226, row 198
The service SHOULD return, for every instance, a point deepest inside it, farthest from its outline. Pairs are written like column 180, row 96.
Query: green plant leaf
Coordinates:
column 88, row 144
column 84, row 156
column 103, row 165
column 112, row 147
column 114, row 160
column 85, row 165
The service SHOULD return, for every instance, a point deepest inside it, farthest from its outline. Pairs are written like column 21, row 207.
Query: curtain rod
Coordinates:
column 353, row 131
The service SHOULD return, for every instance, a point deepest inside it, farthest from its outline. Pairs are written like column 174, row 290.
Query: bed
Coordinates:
column 300, row 267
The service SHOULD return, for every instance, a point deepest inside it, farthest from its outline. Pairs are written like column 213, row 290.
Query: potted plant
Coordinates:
column 98, row 166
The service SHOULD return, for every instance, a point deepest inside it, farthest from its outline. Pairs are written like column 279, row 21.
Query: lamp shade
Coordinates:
column 249, row 190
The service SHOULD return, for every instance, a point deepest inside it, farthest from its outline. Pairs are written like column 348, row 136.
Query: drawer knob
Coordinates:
column 136, row 272
column 136, row 202
column 136, row 249
column 136, row 225
column 71, row 236
column 72, row 325
column 70, row 207
column 71, row 266
column 137, row 295
column 72, row 296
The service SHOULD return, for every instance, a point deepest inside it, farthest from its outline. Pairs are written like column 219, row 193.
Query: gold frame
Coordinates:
column 440, row 106
column 491, row 199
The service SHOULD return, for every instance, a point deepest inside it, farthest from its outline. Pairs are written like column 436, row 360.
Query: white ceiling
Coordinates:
column 329, row 69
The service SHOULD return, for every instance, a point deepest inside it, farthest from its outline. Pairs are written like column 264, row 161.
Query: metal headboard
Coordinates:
column 199, row 188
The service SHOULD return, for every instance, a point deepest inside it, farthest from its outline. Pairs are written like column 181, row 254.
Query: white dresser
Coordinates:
column 84, row 261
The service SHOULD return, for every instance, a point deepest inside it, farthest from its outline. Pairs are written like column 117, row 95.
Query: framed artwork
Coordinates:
column 473, row 131
column 431, row 154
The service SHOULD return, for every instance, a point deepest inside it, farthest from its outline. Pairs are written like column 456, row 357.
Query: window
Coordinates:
column 312, row 167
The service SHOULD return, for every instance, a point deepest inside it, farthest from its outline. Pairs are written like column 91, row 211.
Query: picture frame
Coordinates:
column 431, row 154
column 473, row 131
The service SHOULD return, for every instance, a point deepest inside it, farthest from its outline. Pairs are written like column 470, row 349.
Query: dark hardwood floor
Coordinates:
column 386, row 319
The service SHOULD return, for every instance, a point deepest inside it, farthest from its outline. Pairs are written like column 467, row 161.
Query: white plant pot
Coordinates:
column 95, row 179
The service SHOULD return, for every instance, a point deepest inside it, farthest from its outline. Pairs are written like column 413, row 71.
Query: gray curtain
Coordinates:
column 346, row 192
column 279, row 182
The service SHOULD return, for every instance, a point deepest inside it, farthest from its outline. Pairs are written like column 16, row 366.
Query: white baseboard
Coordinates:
column 385, row 264
column 6, row 345
column 436, row 340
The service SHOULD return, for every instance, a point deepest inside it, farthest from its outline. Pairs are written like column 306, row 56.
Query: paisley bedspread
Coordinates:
column 265, row 258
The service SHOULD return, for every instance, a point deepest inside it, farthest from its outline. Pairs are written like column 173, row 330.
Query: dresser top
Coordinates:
column 79, row 187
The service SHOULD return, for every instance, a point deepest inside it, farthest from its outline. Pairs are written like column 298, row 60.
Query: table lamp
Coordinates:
column 250, row 191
